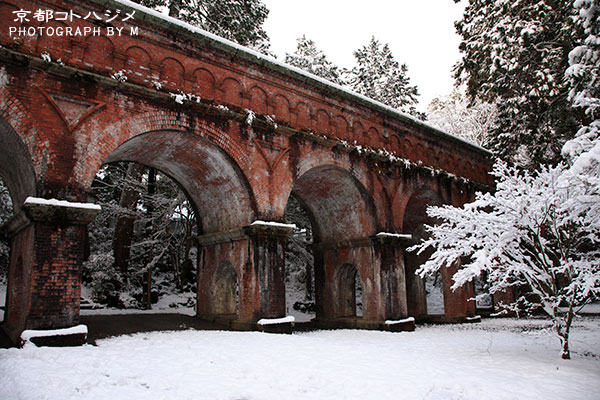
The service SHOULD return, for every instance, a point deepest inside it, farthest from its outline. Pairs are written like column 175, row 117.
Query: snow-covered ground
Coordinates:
column 497, row 359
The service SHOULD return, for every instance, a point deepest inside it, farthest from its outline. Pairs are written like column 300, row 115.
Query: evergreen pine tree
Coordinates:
column 309, row 58
column 379, row 76
column 240, row 21
column 515, row 53
column 454, row 114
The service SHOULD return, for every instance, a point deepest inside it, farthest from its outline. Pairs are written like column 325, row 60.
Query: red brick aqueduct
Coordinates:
column 244, row 134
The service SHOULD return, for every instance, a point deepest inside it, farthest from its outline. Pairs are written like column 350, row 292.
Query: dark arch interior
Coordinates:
column 16, row 166
column 211, row 179
column 334, row 206
column 219, row 198
column 350, row 288
column 17, row 182
column 339, row 203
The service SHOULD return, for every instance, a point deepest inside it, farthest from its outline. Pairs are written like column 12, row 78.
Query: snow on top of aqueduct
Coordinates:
column 270, row 60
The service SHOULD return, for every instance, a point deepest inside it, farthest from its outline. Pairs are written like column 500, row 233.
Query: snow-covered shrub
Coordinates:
column 522, row 236
column 105, row 280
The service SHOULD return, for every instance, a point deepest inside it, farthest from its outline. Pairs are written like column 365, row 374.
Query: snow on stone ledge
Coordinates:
column 394, row 235
column 273, row 321
column 61, row 203
column 400, row 321
column 76, row 330
column 272, row 223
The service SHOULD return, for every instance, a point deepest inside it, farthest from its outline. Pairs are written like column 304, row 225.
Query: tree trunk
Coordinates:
column 124, row 225
column 150, row 210
column 563, row 334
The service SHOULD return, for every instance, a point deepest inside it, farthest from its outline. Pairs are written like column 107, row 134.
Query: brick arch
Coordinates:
column 416, row 202
column 358, row 133
column 59, row 47
column 396, row 143
column 205, row 82
column 103, row 144
column 213, row 182
column 415, row 217
column 17, row 156
column 281, row 108
column 231, row 91
column 342, row 128
column 138, row 62
column 373, row 138
column 339, row 203
column 304, row 116
column 323, row 122
column 99, row 52
column 171, row 73
column 345, row 276
column 258, row 100
column 420, row 152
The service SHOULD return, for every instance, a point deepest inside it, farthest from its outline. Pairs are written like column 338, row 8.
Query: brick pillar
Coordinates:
column 392, row 277
column 47, row 250
column 267, row 245
column 380, row 262
column 221, row 249
column 257, row 253
column 415, row 285
column 459, row 303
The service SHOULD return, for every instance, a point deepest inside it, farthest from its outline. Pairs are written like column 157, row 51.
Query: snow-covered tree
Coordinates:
column 299, row 260
column 515, row 53
column 583, row 152
column 379, row 76
column 472, row 121
column 309, row 58
column 584, row 78
column 240, row 21
column 164, row 222
column 521, row 236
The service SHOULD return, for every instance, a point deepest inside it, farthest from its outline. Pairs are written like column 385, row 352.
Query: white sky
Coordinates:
column 420, row 33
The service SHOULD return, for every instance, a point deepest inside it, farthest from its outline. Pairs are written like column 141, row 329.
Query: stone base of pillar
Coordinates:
column 359, row 323
column 74, row 336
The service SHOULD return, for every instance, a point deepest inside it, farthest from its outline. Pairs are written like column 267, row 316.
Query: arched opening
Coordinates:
column 299, row 263
column 350, row 291
column 141, row 248
column 17, row 182
column 424, row 295
column 201, row 191
column 434, row 294
column 336, row 210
